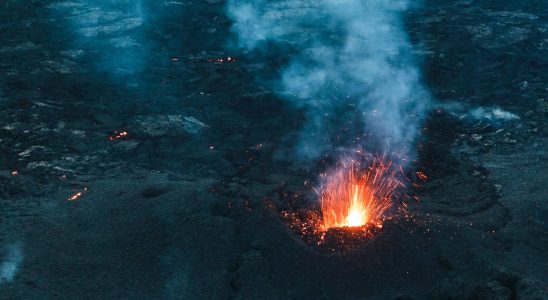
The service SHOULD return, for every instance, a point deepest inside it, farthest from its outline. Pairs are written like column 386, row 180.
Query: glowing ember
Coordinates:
column 117, row 135
column 422, row 176
column 77, row 195
column 353, row 195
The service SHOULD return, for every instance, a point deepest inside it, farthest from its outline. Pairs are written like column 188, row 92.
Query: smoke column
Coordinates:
column 351, row 65
column 10, row 263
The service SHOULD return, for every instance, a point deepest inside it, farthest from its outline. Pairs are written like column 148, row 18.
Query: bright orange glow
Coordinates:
column 354, row 195
column 75, row 196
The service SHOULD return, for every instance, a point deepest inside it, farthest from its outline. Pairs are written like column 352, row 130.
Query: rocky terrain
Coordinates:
column 138, row 161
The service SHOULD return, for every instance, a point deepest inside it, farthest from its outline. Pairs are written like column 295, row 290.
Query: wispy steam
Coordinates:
column 494, row 115
column 353, row 71
column 109, row 29
column 10, row 263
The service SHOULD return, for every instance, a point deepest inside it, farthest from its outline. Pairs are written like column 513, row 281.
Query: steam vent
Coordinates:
column 273, row 149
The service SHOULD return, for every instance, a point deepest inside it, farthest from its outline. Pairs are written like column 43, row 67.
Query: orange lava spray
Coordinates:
column 358, row 193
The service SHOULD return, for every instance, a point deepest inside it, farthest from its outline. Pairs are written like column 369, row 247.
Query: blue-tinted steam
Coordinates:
column 10, row 263
column 109, row 31
column 351, row 55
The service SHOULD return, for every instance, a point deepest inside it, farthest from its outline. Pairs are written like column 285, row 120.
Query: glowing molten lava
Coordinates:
column 353, row 195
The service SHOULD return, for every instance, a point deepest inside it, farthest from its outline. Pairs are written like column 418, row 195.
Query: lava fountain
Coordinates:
column 355, row 197
column 358, row 193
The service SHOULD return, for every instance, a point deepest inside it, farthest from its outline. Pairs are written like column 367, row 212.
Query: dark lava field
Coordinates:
column 145, row 155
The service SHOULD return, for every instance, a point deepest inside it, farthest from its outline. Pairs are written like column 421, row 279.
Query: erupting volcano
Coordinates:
column 355, row 198
column 355, row 195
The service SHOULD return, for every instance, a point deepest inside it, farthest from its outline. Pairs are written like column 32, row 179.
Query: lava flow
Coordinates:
column 353, row 195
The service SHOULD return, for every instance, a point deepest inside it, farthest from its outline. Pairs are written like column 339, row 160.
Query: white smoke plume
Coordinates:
column 353, row 68
column 10, row 263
